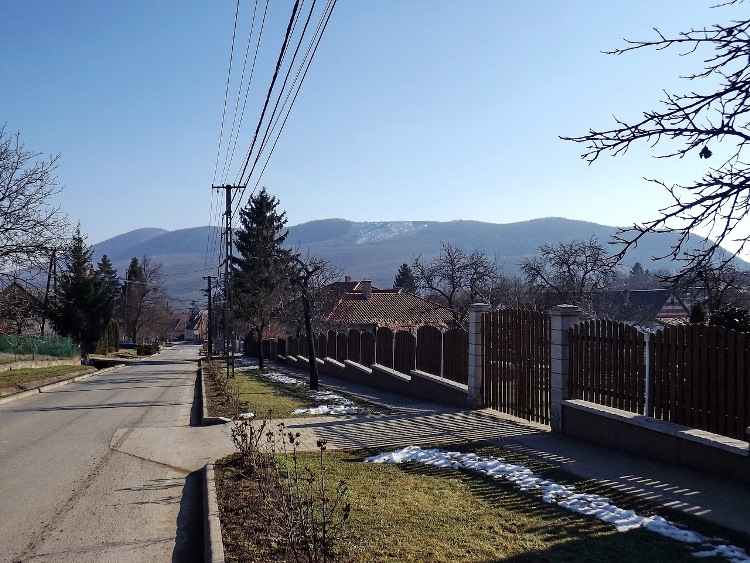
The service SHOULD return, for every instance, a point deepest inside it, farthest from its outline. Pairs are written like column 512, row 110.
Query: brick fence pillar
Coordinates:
column 475, row 353
column 562, row 318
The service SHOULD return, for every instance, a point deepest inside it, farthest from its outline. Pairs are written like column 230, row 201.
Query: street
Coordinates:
column 96, row 470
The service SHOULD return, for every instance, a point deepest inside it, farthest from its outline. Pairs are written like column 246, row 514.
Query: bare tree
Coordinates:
column 570, row 271
column 457, row 278
column 716, row 285
column 311, row 277
column 514, row 292
column 30, row 226
column 143, row 299
column 20, row 307
column 695, row 124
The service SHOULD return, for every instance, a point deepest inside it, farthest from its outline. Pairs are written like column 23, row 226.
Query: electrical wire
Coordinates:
column 270, row 88
column 226, row 90
column 306, row 62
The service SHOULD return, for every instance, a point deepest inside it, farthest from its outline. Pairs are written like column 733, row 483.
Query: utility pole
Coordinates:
column 228, row 289
column 46, row 293
column 210, row 318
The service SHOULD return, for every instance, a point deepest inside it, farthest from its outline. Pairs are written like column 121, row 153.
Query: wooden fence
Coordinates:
column 694, row 375
column 439, row 353
column 516, row 363
column 607, row 364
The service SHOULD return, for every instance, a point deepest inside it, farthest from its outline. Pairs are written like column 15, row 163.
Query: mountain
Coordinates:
column 373, row 250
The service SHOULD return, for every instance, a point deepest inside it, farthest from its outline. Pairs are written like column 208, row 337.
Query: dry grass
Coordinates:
column 26, row 376
column 414, row 513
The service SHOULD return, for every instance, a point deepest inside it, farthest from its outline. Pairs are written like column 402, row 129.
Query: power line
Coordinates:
column 270, row 90
column 319, row 33
column 226, row 90
column 271, row 121
column 234, row 133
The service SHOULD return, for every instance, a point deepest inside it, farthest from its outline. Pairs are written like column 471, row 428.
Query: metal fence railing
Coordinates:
column 34, row 346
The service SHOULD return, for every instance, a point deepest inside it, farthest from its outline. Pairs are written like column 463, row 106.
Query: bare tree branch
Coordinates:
column 30, row 226
column 691, row 123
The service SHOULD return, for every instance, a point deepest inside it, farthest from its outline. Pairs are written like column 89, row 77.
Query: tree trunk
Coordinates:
column 261, row 365
column 310, row 345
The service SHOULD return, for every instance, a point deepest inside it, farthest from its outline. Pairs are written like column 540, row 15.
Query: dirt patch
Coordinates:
column 252, row 522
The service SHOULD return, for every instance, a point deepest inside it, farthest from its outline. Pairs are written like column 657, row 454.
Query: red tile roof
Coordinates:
column 388, row 307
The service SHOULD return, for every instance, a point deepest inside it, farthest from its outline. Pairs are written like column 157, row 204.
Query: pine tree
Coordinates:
column 84, row 305
column 260, row 270
column 405, row 279
column 107, row 273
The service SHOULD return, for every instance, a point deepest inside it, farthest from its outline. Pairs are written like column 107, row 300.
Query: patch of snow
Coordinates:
column 384, row 230
column 324, row 396
column 327, row 410
column 275, row 376
column 590, row 504
column 333, row 404
column 247, row 415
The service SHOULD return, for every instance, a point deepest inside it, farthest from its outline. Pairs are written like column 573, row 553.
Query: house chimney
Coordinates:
column 366, row 289
column 347, row 279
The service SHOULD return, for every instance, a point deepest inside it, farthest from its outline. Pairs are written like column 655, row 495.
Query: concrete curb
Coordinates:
column 213, row 544
column 53, row 386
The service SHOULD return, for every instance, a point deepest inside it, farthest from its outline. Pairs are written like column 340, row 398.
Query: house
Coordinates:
column 674, row 311
column 196, row 329
column 180, row 325
column 362, row 306
column 646, row 307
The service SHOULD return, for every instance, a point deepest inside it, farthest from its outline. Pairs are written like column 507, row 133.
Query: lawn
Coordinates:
column 415, row 513
column 262, row 395
column 13, row 377
column 411, row 512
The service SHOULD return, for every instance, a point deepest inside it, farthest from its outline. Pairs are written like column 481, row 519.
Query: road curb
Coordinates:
column 53, row 386
column 213, row 544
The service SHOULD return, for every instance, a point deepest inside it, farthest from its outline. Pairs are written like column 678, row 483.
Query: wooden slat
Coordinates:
column 702, row 379
column 731, row 392
column 721, row 382
column 743, row 386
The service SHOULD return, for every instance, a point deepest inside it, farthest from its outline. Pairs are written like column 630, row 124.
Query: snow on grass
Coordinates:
column 590, row 504
column 274, row 376
column 333, row 404
column 326, row 410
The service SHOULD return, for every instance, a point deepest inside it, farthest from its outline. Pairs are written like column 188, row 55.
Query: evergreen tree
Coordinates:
column 84, row 304
column 405, row 279
column 107, row 273
column 261, row 269
column 732, row 317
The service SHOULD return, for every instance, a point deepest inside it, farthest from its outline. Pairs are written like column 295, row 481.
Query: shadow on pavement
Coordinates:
column 189, row 547
column 196, row 410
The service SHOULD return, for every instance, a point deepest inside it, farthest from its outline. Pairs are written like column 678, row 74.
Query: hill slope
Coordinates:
column 371, row 250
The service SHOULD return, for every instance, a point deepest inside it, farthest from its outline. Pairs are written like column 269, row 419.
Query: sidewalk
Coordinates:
column 715, row 499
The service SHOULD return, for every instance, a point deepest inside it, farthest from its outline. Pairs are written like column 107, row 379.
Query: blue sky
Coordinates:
column 412, row 110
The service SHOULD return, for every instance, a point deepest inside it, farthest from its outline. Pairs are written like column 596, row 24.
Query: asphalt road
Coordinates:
column 106, row 469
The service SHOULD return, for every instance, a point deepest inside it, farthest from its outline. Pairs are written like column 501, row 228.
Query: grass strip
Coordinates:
column 14, row 377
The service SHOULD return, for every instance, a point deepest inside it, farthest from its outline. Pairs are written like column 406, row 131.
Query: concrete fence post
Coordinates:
column 475, row 353
column 562, row 318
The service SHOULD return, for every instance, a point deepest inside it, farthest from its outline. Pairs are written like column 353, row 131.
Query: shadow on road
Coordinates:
column 196, row 410
column 188, row 546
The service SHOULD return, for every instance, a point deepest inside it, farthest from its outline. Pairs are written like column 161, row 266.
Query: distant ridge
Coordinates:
column 372, row 250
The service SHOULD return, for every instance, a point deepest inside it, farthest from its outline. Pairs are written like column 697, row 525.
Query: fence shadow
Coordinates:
column 405, row 430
